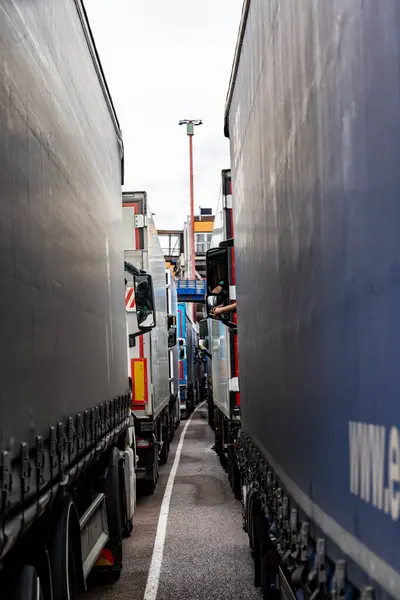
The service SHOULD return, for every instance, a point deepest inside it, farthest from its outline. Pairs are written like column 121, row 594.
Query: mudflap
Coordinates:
column 108, row 567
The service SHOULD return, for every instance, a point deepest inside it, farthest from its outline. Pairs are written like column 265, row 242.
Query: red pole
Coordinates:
column 192, row 248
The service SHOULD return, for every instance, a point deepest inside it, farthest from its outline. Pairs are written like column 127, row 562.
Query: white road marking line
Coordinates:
column 153, row 577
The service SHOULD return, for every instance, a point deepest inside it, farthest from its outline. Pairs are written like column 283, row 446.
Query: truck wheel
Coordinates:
column 249, row 520
column 165, row 449
column 127, row 529
column 171, row 425
column 127, row 526
column 62, row 556
column 148, row 486
column 210, row 412
column 244, row 506
column 234, row 475
column 27, row 585
column 256, row 536
column 236, row 485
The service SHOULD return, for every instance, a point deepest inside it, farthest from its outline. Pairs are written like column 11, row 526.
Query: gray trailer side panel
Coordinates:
column 219, row 334
column 61, row 269
column 159, row 335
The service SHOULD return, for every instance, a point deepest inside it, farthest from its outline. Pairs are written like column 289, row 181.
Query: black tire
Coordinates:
column 62, row 555
column 108, row 577
column 210, row 409
column 26, row 586
column 127, row 529
column 148, row 486
column 157, row 467
column 236, row 484
column 165, row 449
column 243, row 502
column 171, row 427
column 223, row 461
column 127, row 526
column 249, row 520
column 41, row 562
column 234, row 475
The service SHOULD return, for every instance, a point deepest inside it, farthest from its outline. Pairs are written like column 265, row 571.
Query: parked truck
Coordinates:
column 221, row 342
column 172, row 308
column 188, row 376
column 313, row 121
column 66, row 436
column 206, row 356
column 149, row 357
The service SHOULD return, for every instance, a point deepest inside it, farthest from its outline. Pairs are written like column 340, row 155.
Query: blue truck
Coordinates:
column 313, row 120
column 188, row 373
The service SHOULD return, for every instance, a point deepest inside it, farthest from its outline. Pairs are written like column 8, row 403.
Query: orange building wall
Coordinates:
column 203, row 226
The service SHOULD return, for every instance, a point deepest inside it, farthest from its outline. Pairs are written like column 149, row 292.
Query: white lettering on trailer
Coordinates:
column 374, row 454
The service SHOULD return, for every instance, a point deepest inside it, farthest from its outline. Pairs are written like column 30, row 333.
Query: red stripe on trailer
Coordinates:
column 141, row 346
column 233, row 278
column 130, row 301
column 233, row 249
column 136, row 211
column 137, row 233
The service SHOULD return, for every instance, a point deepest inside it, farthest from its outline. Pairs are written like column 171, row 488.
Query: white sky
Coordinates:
column 167, row 60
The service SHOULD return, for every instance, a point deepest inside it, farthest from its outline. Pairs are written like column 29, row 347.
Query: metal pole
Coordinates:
column 190, row 124
column 192, row 246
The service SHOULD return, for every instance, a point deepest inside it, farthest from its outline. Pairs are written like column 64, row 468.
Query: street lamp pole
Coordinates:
column 190, row 125
column 192, row 241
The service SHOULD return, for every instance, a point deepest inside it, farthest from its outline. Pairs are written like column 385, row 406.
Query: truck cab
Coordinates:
column 188, row 374
column 223, row 379
column 149, row 338
column 172, row 307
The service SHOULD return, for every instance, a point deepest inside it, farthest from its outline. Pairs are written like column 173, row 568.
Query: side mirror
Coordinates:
column 171, row 321
column 182, row 349
column 171, row 337
column 145, row 307
column 203, row 343
column 212, row 302
column 203, row 328
column 217, row 278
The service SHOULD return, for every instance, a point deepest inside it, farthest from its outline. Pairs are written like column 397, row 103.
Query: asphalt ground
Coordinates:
column 206, row 554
